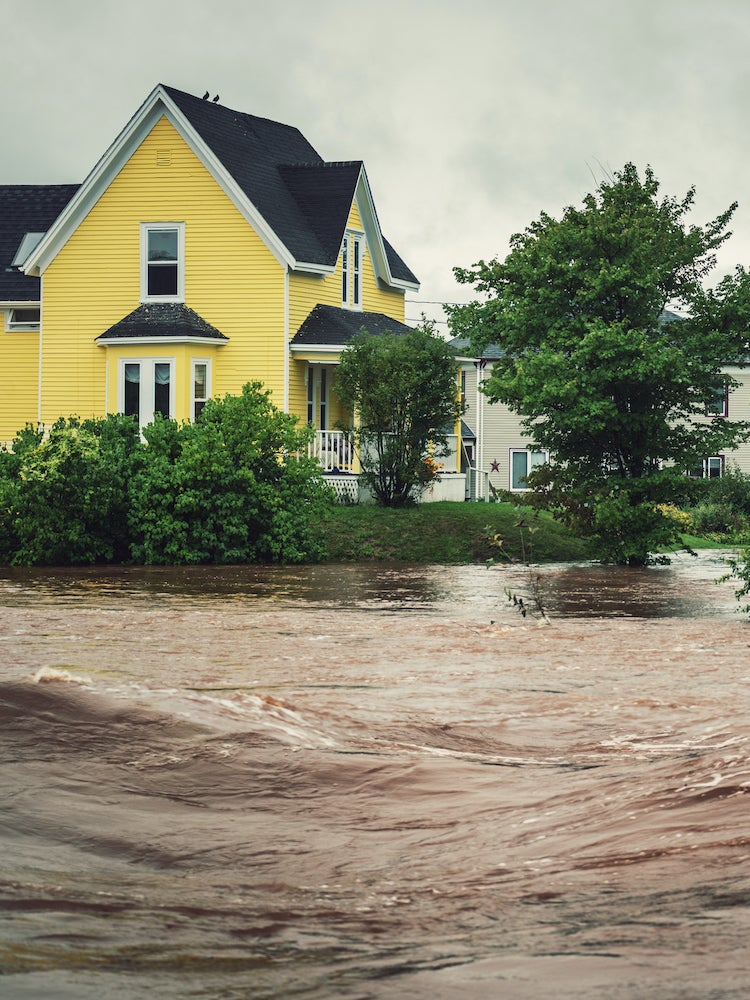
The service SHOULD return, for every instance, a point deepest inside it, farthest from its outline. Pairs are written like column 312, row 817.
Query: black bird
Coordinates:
column 205, row 96
column 216, row 98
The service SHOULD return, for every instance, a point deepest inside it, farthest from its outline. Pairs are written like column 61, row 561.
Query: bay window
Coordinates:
column 146, row 387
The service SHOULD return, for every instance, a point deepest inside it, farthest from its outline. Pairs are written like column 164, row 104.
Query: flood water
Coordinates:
column 374, row 782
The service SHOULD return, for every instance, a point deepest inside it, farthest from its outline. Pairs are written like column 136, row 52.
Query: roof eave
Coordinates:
column 19, row 303
column 308, row 267
column 316, row 348
column 104, row 341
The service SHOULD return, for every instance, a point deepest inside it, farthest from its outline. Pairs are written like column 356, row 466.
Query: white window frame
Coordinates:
column 531, row 464
column 193, row 398
column 352, row 269
column 146, row 228
column 11, row 325
column 146, row 400
column 705, row 468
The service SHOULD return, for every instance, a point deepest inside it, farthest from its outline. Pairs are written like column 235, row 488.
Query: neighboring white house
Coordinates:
column 497, row 454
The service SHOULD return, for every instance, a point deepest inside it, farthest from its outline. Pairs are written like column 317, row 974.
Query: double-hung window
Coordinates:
column 352, row 252
column 522, row 462
column 146, row 387
column 201, row 387
column 162, row 261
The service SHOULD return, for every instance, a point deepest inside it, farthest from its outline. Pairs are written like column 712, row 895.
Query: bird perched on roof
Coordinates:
column 205, row 96
column 216, row 98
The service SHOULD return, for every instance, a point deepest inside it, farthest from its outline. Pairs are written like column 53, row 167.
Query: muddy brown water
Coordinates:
column 374, row 781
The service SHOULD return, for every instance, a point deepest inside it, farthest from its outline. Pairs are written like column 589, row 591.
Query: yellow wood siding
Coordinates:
column 232, row 280
column 19, row 350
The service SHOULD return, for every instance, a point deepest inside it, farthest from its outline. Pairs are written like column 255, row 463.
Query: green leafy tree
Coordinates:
column 236, row 486
column 610, row 383
column 402, row 390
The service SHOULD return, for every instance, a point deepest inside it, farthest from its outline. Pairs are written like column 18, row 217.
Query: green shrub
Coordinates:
column 717, row 519
column 64, row 496
column 227, row 489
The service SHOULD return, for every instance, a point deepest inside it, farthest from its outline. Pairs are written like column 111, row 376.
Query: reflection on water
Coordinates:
column 685, row 589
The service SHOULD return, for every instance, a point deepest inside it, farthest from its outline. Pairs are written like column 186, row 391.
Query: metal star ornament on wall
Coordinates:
column 494, row 467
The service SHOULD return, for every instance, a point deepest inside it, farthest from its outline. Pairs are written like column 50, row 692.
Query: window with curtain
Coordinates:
column 146, row 388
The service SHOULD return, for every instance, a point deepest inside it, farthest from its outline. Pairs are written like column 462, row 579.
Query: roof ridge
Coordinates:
column 226, row 109
column 322, row 165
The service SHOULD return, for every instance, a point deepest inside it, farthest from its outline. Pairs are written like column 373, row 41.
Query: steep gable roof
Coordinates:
column 277, row 180
column 252, row 149
column 26, row 208
column 324, row 193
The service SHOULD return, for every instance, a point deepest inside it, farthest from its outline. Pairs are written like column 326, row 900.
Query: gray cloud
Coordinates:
column 471, row 118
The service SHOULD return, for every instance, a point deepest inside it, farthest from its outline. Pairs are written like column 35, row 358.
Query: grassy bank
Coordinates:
column 442, row 533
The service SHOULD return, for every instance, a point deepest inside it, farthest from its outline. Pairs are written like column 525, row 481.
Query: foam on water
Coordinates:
column 225, row 794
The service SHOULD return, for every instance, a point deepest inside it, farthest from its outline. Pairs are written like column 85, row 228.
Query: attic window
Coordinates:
column 162, row 262
column 23, row 319
column 351, row 270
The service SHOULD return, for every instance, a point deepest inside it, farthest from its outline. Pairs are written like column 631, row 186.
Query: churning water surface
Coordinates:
column 374, row 781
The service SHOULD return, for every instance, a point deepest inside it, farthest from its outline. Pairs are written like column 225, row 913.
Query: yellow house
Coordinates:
column 206, row 249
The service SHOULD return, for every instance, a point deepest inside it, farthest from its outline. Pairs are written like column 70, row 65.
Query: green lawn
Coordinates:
column 443, row 533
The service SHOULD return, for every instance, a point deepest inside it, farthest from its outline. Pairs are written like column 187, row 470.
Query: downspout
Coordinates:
column 39, row 372
column 480, row 428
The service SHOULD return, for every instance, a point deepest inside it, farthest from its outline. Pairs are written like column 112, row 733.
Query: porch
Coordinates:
column 334, row 452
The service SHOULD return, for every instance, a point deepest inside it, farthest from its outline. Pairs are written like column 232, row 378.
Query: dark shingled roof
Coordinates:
column 303, row 199
column 162, row 319
column 335, row 326
column 397, row 265
column 26, row 208
column 324, row 194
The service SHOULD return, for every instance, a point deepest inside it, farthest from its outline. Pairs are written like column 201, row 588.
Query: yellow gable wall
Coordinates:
column 231, row 279
column 306, row 291
column 19, row 350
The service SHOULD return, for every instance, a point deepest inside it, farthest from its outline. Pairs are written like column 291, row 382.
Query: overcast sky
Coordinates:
column 471, row 117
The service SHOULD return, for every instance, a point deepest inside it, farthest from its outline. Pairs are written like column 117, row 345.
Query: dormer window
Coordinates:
column 163, row 262
column 23, row 319
column 352, row 250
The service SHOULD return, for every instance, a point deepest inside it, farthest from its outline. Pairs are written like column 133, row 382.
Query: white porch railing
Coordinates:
column 333, row 449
